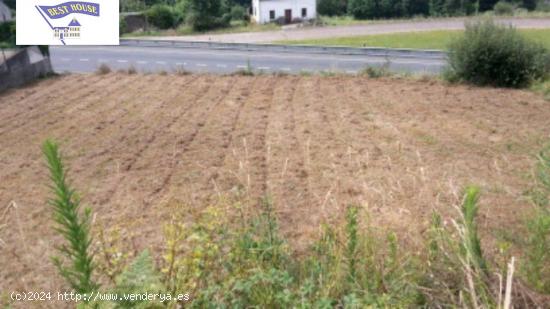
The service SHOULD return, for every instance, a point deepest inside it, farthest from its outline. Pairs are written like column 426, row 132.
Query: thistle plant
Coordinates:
column 75, row 262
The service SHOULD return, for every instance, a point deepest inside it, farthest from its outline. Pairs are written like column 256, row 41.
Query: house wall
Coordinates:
column 261, row 9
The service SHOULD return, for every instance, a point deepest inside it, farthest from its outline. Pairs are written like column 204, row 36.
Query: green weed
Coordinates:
column 73, row 225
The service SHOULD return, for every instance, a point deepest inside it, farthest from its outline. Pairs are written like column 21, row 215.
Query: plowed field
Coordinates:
column 137, row 144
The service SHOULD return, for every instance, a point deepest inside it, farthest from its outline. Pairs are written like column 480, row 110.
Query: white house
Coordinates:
column 265, row 11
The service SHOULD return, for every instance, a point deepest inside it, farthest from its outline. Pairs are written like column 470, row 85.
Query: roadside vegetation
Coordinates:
column 180, row 17
column 485, row 54
column 231, row 254
column 419, row 40
column 7, row 34
column 495, row 55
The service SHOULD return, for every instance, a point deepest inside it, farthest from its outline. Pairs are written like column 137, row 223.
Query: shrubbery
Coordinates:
column 331, row 7
column 497, row 55
column 160, row 16
column 543, row 6
column 504, row 8
column 7, row 34
column 238, row 13
column 207, row 14
column 122, row 25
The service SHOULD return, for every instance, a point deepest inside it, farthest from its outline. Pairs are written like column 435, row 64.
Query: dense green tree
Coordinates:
column 207, row 14
column 437, row 8
column 132, row 5
column 364, row 9
column 529, row 4
column 7, row 34
column 160, row 16
column 243, row 3
column 459, row 7
column 391, row 8
column 331, row 7
column 239, row 13
column 10, row 4
column 486, row 5
column 416, row 7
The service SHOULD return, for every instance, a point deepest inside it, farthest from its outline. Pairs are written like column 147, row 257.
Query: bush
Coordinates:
column 504, row 8
column 206, row 14
column 103, row 69
column 362, row 9
column 331, row 7
column 238, row 13
column 529, row 5
column 7, row 34
column 491, row 54
column 122, row 26
column 160, row 16
column 543, row 6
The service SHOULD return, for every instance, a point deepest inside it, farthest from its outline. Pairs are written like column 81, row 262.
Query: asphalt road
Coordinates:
column 83, row 59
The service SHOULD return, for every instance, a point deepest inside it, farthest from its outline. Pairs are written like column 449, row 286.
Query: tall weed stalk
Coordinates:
column 75, row 262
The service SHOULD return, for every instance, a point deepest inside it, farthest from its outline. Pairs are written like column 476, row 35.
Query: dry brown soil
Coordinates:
column 137, row 143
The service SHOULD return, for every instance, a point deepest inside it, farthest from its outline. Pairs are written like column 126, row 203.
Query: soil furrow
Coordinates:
column 182, row 140
column 288, row 184
column 245, row 165
column 53, row 107
column 206, row 154
column 144, row 143
column 22, row 102
column 140, row 147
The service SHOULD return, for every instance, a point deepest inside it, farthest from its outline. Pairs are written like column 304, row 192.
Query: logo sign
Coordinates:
column 52, row 22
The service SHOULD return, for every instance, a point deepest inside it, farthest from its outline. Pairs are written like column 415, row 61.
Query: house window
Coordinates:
column 272, row 14
column 304, row 12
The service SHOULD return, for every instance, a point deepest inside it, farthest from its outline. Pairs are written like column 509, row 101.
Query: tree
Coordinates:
column 486, row 5
column 239, row 13
column 243, row 3
column 529, row 4
column 437, row 8
column 10, row 4
column 391, row 8
column 363, row 9
column 417, row 7
column 160, row 16
column 207, row 14
column 331, row 7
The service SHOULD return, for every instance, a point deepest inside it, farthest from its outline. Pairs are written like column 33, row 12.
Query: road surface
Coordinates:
column 378, row 27
column 84, row 59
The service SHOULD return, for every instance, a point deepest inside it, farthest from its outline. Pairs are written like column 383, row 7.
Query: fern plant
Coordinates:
column 76, row 261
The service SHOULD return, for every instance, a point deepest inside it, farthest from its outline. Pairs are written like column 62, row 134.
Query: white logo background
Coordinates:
column 32, row 29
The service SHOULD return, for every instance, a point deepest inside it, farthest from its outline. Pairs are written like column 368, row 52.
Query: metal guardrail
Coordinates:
column 311, row 49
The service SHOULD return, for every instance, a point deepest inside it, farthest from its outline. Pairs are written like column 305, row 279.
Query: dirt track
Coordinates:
column 137, row 144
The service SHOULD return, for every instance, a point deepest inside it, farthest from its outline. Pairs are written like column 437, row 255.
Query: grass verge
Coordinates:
column 419, row 40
